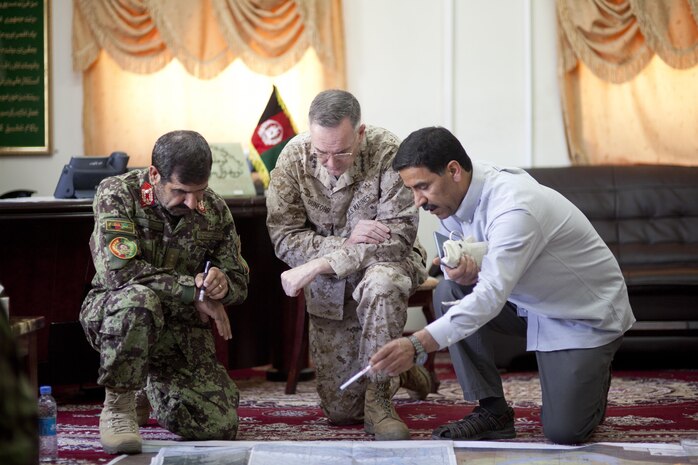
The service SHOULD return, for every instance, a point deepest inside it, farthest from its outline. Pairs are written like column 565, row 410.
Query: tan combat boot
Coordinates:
column 142, row 408
column 380, row 417
column 418, row 382
column 118, row 431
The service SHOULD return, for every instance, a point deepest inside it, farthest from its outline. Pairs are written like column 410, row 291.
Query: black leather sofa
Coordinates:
column 648, row 216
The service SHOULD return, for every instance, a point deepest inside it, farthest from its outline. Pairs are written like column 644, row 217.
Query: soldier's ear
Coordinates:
column 154, row 175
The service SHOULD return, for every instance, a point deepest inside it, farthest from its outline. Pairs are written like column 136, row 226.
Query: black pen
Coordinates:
column 207, row 267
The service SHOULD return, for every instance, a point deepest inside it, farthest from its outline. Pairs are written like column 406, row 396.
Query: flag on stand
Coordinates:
column 274, row 130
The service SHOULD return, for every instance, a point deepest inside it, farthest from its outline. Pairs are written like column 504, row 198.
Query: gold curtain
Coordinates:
column 148, row 65
column 629, row 80
column 269, row 36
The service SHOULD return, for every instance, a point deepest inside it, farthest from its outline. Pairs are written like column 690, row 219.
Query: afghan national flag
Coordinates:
column 274, row 130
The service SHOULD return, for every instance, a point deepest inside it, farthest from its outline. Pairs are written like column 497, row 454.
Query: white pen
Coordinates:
column 354, row 378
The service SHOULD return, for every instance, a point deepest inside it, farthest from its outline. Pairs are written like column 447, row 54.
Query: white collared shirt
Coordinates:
column 545, row 257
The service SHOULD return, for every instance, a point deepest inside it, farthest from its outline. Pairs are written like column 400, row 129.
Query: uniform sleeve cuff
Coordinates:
column 187, row 289
column 188, row 293
column 340, row 262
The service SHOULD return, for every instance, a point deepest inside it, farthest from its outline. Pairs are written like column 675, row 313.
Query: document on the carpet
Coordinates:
column 311, row 453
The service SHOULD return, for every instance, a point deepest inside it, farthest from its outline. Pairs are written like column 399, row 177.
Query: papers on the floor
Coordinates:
column 311, row 453
column 191, row 455
column 353, row 453
column 496, row 452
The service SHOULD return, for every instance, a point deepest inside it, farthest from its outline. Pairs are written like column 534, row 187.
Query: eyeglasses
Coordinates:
column 324, row 157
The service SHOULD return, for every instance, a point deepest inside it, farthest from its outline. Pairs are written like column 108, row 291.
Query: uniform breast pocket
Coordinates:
column 148, row 250
column 198, row 255
column 363, row 206
column 150, row 233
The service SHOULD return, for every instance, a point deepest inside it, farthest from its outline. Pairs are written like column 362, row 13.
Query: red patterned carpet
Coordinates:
column 644, row 406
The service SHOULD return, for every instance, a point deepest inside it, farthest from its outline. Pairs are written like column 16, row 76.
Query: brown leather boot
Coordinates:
column 142, row 408
column 418, row 382
column 118, row 431
column 380, row 417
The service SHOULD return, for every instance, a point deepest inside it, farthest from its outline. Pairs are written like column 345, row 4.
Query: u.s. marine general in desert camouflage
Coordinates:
column 140, row 313
column 363, row 304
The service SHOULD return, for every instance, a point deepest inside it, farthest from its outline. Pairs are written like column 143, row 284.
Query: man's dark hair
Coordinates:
column 432, row 148
column 330, row 107
column 184, row 154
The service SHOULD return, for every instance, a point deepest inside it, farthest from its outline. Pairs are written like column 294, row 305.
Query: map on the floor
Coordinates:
column 312, row 453
column 419, row 453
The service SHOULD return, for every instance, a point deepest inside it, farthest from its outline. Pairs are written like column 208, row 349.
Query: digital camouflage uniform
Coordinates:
column 19, row 422
column 140, row 314
column 361, row 307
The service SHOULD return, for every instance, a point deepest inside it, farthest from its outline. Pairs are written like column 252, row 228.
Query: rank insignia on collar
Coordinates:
column 147, row 195
column 201, row 206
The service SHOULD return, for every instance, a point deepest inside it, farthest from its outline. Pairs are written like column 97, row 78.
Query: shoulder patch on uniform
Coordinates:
column 123, row 248
column 119, row 226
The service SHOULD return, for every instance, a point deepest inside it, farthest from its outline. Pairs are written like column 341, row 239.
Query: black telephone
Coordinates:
column 17, row 194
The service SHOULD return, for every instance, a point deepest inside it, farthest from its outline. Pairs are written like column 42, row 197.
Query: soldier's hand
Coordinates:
column 215, row 284
column 215, row 310
column 295, row 279
column 368, row 232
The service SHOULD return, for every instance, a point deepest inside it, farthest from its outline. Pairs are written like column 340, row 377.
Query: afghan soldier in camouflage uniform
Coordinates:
column 341, row 218
column 154, row 230
column 19, row 422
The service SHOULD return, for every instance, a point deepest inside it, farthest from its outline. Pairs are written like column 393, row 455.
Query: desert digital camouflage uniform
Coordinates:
column 363, row 306
column 140, row 314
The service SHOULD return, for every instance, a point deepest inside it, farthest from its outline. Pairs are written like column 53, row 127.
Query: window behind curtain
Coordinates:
column 128, row 112
column 629, row 80
column 207, row 65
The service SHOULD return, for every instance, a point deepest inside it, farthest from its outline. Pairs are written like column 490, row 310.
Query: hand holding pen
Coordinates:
column 212, row 283
column 214, row 279
column 354, row 378
column 202, row 289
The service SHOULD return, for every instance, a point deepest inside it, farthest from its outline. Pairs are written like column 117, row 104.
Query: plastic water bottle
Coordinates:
column 48, row 441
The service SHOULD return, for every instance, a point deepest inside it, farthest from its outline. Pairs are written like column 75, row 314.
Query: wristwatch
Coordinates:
column 420, row 355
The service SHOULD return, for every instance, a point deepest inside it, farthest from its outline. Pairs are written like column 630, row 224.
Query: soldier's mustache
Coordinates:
column 429, row 207
column 181, row 209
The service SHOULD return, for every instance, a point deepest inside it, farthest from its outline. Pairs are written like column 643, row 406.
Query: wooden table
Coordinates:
column 25, row 329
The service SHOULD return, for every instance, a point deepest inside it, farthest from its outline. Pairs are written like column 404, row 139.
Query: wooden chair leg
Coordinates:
column 300, row 345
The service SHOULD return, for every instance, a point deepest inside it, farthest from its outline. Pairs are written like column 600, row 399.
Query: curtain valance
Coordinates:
column 616, row 39
column 269, row 36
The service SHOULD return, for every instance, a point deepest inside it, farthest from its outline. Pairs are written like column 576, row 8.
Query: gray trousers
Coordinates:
column 574, row 382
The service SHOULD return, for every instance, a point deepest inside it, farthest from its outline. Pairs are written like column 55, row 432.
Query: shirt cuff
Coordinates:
column 442, row 332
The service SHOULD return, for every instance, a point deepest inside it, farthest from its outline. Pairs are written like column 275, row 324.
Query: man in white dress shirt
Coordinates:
column 546, row 275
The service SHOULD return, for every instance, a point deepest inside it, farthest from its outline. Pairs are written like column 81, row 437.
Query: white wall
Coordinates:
column 394, row 52
column 486, row 70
